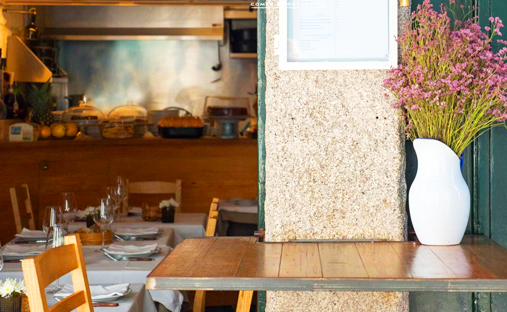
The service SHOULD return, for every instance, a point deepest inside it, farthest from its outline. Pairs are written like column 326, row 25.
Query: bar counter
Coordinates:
column 208, row 168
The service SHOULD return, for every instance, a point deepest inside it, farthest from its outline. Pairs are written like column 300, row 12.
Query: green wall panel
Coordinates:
column 440, row 302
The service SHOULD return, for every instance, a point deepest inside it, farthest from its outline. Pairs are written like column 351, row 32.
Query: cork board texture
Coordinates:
column 335, row 164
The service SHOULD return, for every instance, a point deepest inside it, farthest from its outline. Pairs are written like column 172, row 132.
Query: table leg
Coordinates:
column 199, row 301
column 244, row 301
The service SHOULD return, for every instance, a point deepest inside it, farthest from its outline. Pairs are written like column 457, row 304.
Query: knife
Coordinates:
column 105, row 305
column 12, row 260
column 139, row 259
column 28, row 242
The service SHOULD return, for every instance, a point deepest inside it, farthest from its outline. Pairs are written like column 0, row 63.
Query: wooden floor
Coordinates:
column 477, row 265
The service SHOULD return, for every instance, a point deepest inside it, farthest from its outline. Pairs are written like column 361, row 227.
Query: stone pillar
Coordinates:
column 334, row 169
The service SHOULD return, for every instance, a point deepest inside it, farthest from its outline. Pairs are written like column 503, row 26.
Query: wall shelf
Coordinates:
column 243, row 55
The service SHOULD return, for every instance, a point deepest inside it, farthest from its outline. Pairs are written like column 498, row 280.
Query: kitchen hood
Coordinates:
column 188, row 22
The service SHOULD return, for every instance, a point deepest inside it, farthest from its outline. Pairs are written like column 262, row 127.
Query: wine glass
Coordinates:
column 69, row 208
column 103, row 216
column 52, row 216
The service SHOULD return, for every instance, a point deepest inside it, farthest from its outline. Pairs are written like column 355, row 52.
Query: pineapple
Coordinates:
column 40, row 100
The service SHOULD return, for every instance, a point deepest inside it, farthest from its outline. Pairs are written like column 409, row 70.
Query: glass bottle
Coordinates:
column 31, row 31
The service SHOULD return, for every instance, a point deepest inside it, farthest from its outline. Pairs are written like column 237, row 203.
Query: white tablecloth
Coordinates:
column 102, row 270
column 137, row 301
column 186, row 225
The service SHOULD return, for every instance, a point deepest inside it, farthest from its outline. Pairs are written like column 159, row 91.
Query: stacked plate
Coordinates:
column 17, row 252
column 123, row 252
column 99, row 293
column 127, row 233
column 32, row 236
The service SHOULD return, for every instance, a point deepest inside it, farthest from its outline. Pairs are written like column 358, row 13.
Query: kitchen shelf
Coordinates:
column 132, row 33
column 126, row 3
column 240, row 14
column 243, row 55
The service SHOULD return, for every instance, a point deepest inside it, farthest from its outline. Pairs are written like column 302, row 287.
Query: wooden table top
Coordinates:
column 225, row 263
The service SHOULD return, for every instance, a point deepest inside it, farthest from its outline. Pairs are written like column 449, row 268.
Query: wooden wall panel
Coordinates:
column 208, row 168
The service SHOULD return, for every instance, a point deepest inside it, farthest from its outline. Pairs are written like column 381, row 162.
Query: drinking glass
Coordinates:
column 103, row 216
column 120, row 193
column 56, row 236
column 1, row 258
column 111, row 194
column 69, row 208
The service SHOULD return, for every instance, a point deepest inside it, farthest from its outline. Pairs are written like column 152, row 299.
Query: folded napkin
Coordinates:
column 137, row 230
column 26, row 233
column 136, row 210
column 97, row 291
column 17, row 250
column 116, row 249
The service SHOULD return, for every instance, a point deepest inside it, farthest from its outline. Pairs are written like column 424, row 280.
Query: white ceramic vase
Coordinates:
column 439, row 197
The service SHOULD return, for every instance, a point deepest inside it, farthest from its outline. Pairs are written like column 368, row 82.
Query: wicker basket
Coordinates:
column 25, row 306
column 152, row 213
column 95, row 239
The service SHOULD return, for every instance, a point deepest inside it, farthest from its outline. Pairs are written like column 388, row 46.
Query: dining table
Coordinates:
column 102, row 270
column 244, row 264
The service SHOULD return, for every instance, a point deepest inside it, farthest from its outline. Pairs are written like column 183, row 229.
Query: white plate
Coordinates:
column 134, row 255
column 108, row 299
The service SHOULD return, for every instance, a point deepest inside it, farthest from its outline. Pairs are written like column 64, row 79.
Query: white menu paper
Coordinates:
column 338, row 30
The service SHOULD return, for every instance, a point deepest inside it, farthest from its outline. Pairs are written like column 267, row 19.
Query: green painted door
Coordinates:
column 485, row 170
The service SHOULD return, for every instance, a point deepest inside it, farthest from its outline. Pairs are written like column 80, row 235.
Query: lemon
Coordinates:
column 71, row 129
column 59, row 131
column 45, row 132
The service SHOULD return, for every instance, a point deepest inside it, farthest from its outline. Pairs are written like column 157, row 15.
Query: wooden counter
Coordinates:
column 207, row 167
column 226, row 263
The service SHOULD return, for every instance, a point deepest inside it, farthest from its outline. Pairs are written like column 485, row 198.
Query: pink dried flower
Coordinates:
column 451, row 85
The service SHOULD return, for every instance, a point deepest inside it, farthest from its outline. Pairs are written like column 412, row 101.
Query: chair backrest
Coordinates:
column 157, row 188
column 212, row 218
column 41, row 271
column 16, row 209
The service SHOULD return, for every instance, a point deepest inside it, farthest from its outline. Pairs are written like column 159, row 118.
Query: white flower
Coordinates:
column 20, row 287
column 8, row 288
column 168, row 203
column 89, row 211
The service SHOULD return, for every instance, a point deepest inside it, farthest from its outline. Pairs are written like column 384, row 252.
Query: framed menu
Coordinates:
column 338, row 34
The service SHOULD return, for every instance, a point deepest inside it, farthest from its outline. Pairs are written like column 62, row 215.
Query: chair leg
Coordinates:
column 244, row 301
column 200, row 301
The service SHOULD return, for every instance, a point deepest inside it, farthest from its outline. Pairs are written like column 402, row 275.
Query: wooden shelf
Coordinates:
column 227, row 3
column 91, row 143
column 477, row 265
column 243, row 55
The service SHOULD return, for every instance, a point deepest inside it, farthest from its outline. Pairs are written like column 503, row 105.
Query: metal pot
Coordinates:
column 76, row 99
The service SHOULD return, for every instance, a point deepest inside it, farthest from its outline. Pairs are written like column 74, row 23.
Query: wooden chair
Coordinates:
column 16, row 211
column 157, row 188
column 200, row 295
column 245, row 297
column 50, row 265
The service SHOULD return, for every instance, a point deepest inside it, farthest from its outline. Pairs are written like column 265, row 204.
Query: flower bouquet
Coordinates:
column 450, row 87
column 168, row 207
